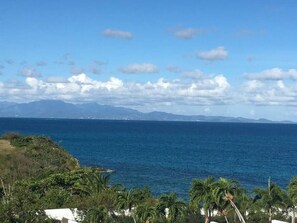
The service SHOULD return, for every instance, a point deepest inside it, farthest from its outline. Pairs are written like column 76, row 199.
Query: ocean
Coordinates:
column 166, row 156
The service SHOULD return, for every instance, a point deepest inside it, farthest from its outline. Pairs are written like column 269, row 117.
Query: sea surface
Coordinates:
column 166, row 156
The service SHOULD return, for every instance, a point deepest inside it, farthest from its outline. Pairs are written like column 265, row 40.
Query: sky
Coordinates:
column 206, row 57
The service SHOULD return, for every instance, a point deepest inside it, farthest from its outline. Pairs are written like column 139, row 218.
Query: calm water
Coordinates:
column 167, row 155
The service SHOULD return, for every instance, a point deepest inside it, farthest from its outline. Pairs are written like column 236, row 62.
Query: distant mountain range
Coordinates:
column 60, row 109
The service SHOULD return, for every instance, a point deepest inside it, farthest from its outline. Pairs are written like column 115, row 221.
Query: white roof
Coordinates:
column 59, row 214
column 277, row 221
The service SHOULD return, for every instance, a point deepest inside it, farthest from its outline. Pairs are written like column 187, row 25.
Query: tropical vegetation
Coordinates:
column 57, row 181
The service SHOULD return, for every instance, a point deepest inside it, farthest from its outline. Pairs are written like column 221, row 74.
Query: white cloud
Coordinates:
column 281, row 84
column 273, row 74
column 218, row 53
column 275, row 92
column 187, row 33
column 139, row 68
column 253, row 85
column 143, row 95
column 117, row 34
column 207, row 87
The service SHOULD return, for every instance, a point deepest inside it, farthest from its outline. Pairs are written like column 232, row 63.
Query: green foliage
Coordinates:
column 96, row 215
column 176, row 208
column 145, row 213
column 292, row 190
column 271, row 199
column 21, row 141
column 202, row 195
column 33, row 156
column 38, row 175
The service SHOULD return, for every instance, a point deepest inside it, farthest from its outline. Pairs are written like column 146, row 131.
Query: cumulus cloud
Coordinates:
column 273, row 74
column 117, row 34
column 219, row 53
column 187, row 33
column 274, row 92
column 253, row 85
column 205, row 91
column 139, row 68
column 30, row 72
column 215, row 86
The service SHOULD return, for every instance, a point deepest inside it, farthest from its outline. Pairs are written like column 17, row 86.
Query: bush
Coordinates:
column 10, row 135
column 21, row 141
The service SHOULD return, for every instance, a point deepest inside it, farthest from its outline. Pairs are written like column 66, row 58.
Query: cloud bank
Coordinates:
column 203, row 91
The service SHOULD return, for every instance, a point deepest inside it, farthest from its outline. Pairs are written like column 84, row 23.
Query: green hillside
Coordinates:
column 24, row 157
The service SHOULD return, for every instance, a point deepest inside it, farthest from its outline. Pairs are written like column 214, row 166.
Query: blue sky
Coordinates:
column 232, row 58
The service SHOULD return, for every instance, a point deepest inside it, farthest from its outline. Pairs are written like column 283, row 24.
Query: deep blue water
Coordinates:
column 166, row 156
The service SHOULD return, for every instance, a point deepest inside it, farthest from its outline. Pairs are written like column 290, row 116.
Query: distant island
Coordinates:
column 61, row 109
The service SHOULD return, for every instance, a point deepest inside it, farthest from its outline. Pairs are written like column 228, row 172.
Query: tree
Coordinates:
column 225, row 192
column 127, row 200
column 202, row 195
column 175, row 207
column 145, row 213
column 96, row 215
column 271, row 198
column 292, row 192
column 94, row 183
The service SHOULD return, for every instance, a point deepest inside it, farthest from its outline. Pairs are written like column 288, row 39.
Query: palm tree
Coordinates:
column 94, row 183
column 243, row 202
column 202, row 195
column 225, row 192
column 171, row 207
column 97, row 215
column 270, row 198
column 292, row 191
column 145, row 213
column 127, row 200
